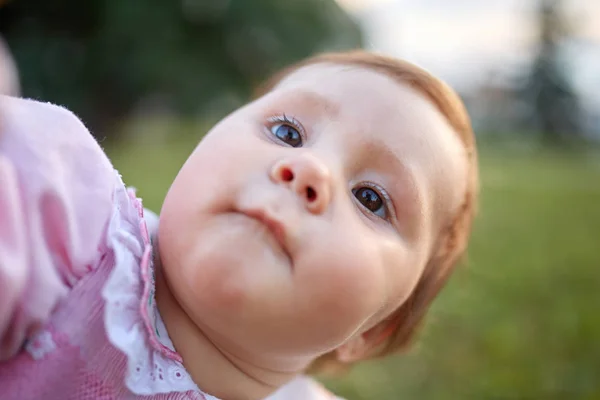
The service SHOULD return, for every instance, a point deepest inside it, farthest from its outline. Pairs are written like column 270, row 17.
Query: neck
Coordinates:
column 215, row 371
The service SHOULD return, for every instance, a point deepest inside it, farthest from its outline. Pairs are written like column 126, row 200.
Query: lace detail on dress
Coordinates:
column 131, row 319
column 40, row 345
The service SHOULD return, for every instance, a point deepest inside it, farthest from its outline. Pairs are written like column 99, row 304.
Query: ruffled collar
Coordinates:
column 131, row 318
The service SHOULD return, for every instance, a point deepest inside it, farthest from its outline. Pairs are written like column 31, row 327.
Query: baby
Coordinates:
column 309, row 230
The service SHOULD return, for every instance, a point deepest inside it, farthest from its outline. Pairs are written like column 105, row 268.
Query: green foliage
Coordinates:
column 520, row 320
column 104, row 58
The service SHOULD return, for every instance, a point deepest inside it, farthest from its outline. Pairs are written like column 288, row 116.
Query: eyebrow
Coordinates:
column 313, row 100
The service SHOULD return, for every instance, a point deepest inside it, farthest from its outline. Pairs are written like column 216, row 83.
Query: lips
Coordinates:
column 275, row 227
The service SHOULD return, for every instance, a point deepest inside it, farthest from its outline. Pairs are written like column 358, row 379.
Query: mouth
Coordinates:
column 275, row 227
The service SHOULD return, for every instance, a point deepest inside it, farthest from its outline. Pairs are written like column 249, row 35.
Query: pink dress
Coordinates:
column 77, row 313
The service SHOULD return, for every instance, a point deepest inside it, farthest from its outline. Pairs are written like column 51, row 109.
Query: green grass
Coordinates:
column 520, row 320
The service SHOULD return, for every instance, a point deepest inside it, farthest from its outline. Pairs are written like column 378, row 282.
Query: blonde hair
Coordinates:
column 452, row 241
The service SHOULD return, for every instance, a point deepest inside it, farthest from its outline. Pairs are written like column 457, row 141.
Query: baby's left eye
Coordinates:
column 371, row 200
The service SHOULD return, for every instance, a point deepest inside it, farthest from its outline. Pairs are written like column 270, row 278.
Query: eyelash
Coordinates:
column 387, row 201
column 290, row 120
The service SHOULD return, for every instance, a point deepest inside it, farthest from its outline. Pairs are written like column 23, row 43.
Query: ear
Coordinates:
column 363, row 345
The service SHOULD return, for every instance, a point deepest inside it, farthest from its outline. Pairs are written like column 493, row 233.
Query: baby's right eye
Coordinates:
column 287, row 130
column 287, row 134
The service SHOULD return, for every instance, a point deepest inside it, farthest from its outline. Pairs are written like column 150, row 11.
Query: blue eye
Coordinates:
column 287, row 129
column 287, row 134
column 371, row 200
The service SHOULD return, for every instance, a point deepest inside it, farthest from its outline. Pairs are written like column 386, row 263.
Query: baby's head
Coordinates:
column 317, row 224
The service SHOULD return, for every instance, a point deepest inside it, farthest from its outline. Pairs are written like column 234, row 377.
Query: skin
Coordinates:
column 269, row 257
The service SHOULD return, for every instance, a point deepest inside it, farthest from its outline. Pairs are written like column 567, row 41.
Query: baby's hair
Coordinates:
column 451, row 243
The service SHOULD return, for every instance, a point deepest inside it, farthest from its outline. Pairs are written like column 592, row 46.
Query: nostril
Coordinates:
column 311, row 195
column 287, row 175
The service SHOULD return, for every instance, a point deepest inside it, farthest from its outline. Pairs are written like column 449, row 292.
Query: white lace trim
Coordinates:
column 40, row 345
column 153, row 367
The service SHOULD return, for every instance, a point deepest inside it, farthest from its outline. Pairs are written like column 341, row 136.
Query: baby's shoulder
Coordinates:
column 59, row 178
column 49, row 141
column 57, row 189
column 53, row 153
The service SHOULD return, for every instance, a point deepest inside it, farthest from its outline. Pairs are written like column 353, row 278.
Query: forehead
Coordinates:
column 374, row 110
column 375, row 106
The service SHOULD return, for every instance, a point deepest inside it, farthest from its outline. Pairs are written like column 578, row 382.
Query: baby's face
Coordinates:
column 308, row 216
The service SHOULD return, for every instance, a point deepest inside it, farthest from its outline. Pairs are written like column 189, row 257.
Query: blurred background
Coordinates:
column 521, row 318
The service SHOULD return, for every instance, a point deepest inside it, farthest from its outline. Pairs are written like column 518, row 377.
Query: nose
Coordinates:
column 308, row 177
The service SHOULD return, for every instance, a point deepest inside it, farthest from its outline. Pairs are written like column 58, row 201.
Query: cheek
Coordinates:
column 212, row 161
column 356, row 276
column 227, row 157
column 226, row 146
column 347, row 283
column 203, row 276
column 405, row 267
column 226, row 266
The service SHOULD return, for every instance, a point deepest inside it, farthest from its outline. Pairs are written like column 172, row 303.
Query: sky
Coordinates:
column 467, row 41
